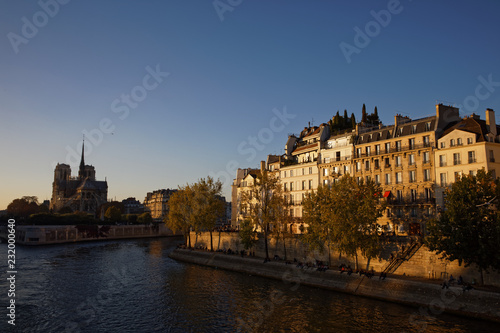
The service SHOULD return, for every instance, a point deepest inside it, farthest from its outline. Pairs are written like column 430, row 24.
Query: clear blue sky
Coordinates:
column 225, row 78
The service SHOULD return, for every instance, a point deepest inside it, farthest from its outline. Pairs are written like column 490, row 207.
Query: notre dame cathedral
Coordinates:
column 82, row 193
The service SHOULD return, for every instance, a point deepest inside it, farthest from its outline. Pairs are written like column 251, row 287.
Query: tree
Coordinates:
column 347, row 121
column 283, row 220
column 145, row 218
column 353, row 120
column 364, row 116
column 180, row 212
column 262, row 203
column 113, row 214
column 23, row 207
column 345, row 216
column 468, row 230
column 208, row 205
column 247, row 234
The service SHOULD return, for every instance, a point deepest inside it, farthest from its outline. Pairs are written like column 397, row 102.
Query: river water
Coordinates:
column 132, row 286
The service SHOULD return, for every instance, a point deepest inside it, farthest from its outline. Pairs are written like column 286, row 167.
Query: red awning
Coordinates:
column 387, row 194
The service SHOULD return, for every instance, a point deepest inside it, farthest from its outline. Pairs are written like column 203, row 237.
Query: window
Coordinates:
column 310, row 184
column 413, row 195
column 427, row 175
column 452, row 143
column 387, row 148
column 387, row 162
column 310, row 170
column 377, row 165
column 367, row 179
column 303, row 184
column 412, row 176
column 399, row 195
column 469, row 141
column 377, row 149
column 442, row 160
column 367, row 165
column 291, row 173
column 359, row 180
column 428, row 126
column 337, row 156
column 427, row 142
column 358, row 166
column 472, row 172
column 442, row 145
column 459, row 141
column 411, row 143
column 346, row 169
column 377, row 179
column 387, row 179
column 413, row 129
column 398, row 145
column 398, row 161
column 368, row 151
column 358, row 152
column 399, row 177
column 325, row 172
column 428, row 194
column 413, row 212
column 303, row 171
column 472, row 156
column 284, row 174
column 456, row 158
column 492, row 157
column 285, row 186
column 458, row 175
column 411, row 159
column 291, row 186
column 442, row 178
column 325, row 182
column 426, row 157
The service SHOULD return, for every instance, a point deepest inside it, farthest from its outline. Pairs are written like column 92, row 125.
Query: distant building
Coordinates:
column 132, row 206
column 156, row 203
column 83, row 193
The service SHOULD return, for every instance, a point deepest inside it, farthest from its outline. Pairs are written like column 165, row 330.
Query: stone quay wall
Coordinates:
column 430, row 298
column 423, row 264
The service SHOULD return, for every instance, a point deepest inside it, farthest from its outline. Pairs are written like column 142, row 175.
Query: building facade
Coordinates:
column 156, row 203
column 83, row 193
column 470, row 145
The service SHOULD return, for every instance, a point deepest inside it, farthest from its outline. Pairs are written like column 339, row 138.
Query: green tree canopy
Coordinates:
column 180, row 212
column 23, row 207
column 113, row 214
column 145, row 218
column 468, row 230
column 247, row 234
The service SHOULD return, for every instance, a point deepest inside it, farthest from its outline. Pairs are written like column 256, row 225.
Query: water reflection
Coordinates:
column 132, row 286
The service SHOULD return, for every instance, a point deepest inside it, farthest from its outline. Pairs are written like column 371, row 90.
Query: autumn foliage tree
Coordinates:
column 468, row 230
column 344, row 216
column 262, row 203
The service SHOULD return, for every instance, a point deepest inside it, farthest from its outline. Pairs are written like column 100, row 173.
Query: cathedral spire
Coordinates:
column 81, row 172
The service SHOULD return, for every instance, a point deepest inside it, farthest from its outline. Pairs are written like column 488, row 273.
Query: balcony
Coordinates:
column 472, row 160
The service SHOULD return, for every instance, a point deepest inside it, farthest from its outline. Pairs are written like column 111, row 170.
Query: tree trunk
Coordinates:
column 265, row 243
column 356, row 263
column 189, row 238
column 329, row 255
column 211, row 242
column 284, row 245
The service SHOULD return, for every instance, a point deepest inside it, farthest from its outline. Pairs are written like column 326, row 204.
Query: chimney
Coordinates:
column 396, row 118
column 262, row 166
column 490, row 122
column 445, row 115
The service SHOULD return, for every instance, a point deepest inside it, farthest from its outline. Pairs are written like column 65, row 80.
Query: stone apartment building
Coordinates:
column 468, row 146
column 156, row 203
column 410, row 160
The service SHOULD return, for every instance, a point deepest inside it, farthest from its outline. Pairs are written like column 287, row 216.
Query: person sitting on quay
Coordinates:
column 452, row 279
column 460, row 281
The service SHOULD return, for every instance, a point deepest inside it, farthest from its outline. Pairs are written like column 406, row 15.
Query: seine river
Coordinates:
column 132, row 286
